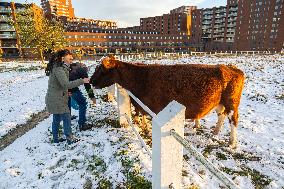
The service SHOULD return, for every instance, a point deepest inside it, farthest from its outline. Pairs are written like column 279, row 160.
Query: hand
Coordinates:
column 86, row 80
column 94, row 101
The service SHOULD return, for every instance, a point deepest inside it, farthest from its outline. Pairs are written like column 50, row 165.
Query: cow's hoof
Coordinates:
column 196, row 127
column 233, row 145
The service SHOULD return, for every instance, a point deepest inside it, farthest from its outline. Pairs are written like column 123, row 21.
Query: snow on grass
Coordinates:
column 22, row 92
column 259, row 159
column 106, row 155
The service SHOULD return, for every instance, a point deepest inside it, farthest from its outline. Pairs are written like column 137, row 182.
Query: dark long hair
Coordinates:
column 56, row 59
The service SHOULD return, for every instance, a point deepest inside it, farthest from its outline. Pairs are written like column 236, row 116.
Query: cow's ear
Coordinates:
column 109, row 62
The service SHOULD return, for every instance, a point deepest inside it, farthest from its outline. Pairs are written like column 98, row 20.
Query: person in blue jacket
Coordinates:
column 77, row 71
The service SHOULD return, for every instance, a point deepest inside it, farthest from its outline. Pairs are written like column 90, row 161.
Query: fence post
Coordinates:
column 123, row 102
column 167, row 152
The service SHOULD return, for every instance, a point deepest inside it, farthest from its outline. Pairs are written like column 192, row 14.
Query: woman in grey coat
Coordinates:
column 57, row 93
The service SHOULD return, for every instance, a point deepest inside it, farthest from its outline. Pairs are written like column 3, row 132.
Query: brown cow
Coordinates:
column 200, row 88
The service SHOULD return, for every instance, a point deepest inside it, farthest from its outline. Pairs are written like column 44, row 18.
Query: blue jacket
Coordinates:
column 78, row 71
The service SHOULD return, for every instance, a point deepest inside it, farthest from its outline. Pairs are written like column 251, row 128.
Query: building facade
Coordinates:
column 85, row 25
column 169, row 32
column 63, row 11
column 58, row 7
column 242, row 25
column 178, row 21
column 260, row 25
column 9, row 38
column 126, row 40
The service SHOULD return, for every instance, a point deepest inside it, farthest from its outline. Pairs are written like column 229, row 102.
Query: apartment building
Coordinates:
column 241, row 25
column 9, row 37
column 178, row 21
column 63, row 10
column 260, row 25
column 126, row 40
column 58, row 7
column 213, row 29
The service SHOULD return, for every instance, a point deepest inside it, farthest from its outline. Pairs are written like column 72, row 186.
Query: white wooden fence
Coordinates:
column 162, row 55
column 168, row 141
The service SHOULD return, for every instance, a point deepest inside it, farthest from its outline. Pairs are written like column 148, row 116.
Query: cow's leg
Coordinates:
column 233, row 119
column 136, row 116
column 197, row 124
column 220, row 110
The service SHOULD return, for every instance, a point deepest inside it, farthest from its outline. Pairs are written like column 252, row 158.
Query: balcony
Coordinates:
column 4, row 18
column 5, row 10
column 233, row 14
column 206, row 36
column 7, row 36
column 230, row 35
column 233, row 9
column 231, row 25
column 230, row 30
column 206, row 28
column 221, row 11
column 219, row 26
column 7, row 29
column 207, row 17
column 206, row 23
column 219, row 31
column 232, row 20
column 220, row 16
column 219, row 21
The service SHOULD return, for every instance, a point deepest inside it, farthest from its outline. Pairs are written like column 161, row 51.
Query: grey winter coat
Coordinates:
column 57, row 93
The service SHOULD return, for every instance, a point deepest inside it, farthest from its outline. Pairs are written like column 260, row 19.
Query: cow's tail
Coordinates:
column 231, row 96
column 234, row 82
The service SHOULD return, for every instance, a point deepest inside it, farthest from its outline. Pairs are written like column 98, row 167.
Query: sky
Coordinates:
column 128, row 12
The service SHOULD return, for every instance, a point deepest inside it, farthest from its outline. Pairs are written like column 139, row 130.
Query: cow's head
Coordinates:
column 105, row 74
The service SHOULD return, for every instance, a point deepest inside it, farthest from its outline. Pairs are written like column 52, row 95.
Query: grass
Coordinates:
column 130, row 166
column 259, row 97
column 134, row 179
column 280, row 97
column 221, row 156
column 20, row 68
column 114, row 123
column 246, row 157
column 259, row 180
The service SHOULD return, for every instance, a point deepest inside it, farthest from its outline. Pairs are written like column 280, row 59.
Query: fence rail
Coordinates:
column 163, row 55
column 214, row 170
column 167, row 141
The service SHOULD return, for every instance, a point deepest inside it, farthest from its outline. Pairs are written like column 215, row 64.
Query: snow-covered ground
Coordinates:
column 112, row 157
column 22, row 90
column 259, row 158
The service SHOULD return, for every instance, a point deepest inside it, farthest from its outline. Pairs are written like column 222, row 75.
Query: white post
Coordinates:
column 123, row 102
column 111, row 93
column 167, row 152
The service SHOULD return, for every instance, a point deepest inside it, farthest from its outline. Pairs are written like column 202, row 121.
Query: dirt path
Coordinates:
column 21, row 129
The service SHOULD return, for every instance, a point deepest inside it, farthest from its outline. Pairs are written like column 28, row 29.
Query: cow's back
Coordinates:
column 198, row 87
